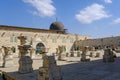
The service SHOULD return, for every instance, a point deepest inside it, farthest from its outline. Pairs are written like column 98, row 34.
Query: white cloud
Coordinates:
column 117, row 21
column 91, row 13
column 43, row 7
column 108, row 1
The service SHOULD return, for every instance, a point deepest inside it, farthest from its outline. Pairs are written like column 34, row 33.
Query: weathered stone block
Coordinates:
column 108, row 56
column 72, row 54
column 49, row 61
column 85, row 56
column 49, row 71
column 44, row 73
column 97, row 54
column 25, row 64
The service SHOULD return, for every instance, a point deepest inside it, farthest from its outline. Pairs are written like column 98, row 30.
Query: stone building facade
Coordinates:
column 100, row 42
column 51, row 39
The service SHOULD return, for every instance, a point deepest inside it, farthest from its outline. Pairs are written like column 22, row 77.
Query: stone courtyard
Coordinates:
column 94, row 70
column 73, row 69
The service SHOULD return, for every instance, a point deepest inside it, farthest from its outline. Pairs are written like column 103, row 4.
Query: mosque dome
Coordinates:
column 57, row 26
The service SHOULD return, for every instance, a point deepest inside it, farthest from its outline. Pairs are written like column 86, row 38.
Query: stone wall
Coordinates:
column 108, row 41
column 50, row 40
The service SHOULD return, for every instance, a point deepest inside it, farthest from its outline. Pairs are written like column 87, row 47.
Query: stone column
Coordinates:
column 85, row 56
column 8, row 57
column 67, row 54
column 108, row 56
column 97, row 54
column 25, row 61
column 78, row 53
column 50, row 70
column 1, row 57
column 72, row 54
column 92, row 52
column 61, row 54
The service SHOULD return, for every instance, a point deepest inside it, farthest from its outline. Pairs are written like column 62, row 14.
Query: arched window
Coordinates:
column 39, row 47
column 13, row 39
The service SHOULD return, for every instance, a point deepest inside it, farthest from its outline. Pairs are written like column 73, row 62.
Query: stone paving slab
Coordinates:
column 76, row 70
column 94, row 70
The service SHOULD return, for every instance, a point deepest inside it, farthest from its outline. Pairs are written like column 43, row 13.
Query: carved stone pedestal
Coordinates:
column 61, row 53
column 108, row 56
column 25, row 61
column 85, row 56
column 49, row 71
column 25, row 64
column 97, row 54
column 25, row 50
column 72, row 54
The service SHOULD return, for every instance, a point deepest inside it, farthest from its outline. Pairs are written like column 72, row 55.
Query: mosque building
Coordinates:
column 38, row 38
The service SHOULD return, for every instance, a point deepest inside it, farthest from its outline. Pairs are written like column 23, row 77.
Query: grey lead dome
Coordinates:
column 57, row 26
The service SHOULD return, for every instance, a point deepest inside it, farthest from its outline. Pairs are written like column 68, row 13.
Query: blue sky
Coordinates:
column 95, row 18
